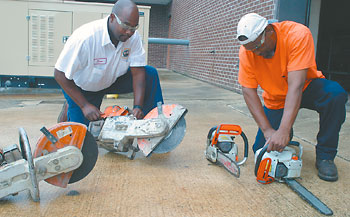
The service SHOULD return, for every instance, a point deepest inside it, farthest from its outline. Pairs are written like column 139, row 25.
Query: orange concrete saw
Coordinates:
column 161, row 130
column 64, row 154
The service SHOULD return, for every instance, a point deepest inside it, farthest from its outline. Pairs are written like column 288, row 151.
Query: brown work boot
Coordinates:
column 327, row 170
column 62, row 117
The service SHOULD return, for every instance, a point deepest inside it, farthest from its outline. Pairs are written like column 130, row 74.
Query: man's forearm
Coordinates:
column 291, row 108
column 296, row 80
column 139, row 85
column 255, row 107
column 70, row 88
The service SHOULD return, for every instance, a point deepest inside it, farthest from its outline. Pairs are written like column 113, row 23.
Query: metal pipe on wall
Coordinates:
column 168, row 41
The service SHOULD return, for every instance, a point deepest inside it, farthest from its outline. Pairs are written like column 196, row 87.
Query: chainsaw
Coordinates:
column 221, row 148
column 64, row 154
column 160, row 131
column 285, row 167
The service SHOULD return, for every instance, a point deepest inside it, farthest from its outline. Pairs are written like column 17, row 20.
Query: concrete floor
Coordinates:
column 180, row 183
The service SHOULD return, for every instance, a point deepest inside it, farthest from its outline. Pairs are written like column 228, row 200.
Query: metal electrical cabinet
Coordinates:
column 34, row 32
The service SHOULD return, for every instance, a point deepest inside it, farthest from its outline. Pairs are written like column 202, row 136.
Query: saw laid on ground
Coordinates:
column 161, row 130
column 221, row 148
column 285, row 167
column 64, row 154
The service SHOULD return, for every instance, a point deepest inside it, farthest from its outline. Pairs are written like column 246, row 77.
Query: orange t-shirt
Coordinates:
column 294, row 51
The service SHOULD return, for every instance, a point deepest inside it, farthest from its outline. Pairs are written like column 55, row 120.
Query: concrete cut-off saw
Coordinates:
column 222, row 150
column 64, row 154
column 285, row 167
column 160, row 131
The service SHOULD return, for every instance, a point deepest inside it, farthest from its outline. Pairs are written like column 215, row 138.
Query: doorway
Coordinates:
column 333, row 44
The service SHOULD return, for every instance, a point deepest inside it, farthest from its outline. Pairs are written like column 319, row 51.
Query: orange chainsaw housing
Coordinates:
column 229, row 129
column 263, row 172
column 67, row 134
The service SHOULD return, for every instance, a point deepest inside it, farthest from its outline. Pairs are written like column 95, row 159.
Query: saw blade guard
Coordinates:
column 173, row 114
column 278, row 165
column 62, row 135
column 223, row 130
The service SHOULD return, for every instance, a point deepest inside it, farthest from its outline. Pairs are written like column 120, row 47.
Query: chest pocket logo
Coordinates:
column 125, row 53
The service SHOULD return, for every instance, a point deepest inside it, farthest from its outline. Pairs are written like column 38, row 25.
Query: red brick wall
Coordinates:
column 158, row 28
column 212, row 55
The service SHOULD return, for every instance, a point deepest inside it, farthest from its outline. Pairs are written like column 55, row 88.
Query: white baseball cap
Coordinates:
column 251, row 26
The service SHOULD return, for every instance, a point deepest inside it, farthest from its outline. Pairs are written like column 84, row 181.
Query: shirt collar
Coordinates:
column 105, row 38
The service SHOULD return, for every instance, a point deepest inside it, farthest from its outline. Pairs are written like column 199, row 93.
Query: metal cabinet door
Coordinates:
column 48, row 31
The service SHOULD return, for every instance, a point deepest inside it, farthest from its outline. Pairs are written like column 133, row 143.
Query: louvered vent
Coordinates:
column 42, row 38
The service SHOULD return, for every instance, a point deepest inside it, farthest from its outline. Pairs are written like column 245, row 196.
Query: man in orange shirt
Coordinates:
column 280, row 58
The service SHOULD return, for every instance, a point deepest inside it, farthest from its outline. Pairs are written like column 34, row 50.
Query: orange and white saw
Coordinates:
column 64, row 154
column 222, row 150
column 285, row 167
column 161, row 130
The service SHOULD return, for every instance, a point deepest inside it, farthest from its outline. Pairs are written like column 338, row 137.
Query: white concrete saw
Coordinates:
column 222, row 150
column 161, row 130
column 64, row 154
column 285, row 167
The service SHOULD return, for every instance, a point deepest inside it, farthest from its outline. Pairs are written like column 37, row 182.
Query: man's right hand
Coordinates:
column 91, row 112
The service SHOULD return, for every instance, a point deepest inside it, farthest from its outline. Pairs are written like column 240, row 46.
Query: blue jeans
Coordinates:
column 326, row 97
column 153, row 94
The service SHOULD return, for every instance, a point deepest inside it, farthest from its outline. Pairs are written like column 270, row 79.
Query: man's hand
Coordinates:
column 91, row 112
column 137, row 112
column 278, row 140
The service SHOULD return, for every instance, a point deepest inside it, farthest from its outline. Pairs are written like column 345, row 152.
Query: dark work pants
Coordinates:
column 326, row 97
column 153, row 94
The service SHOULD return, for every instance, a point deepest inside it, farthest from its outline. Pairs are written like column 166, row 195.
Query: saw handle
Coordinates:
column 27, row 155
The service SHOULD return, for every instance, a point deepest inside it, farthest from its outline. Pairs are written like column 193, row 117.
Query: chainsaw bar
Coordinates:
column 230, row 165
column 308, row 197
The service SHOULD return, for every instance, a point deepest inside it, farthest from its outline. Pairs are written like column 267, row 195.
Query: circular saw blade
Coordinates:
column 90, row 154
column 173, row 139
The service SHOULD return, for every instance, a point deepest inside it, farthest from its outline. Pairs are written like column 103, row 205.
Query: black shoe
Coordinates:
column 62, row 117
column 327, row 170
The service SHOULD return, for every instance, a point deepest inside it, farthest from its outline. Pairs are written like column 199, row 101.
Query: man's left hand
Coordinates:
column 278, row 141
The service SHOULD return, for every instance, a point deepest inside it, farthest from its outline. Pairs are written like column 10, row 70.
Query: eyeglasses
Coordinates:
column 262, row 41
column 125, row 26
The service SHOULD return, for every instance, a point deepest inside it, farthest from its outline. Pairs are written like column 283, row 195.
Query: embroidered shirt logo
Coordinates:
column 125, row 52
column 100, row 61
